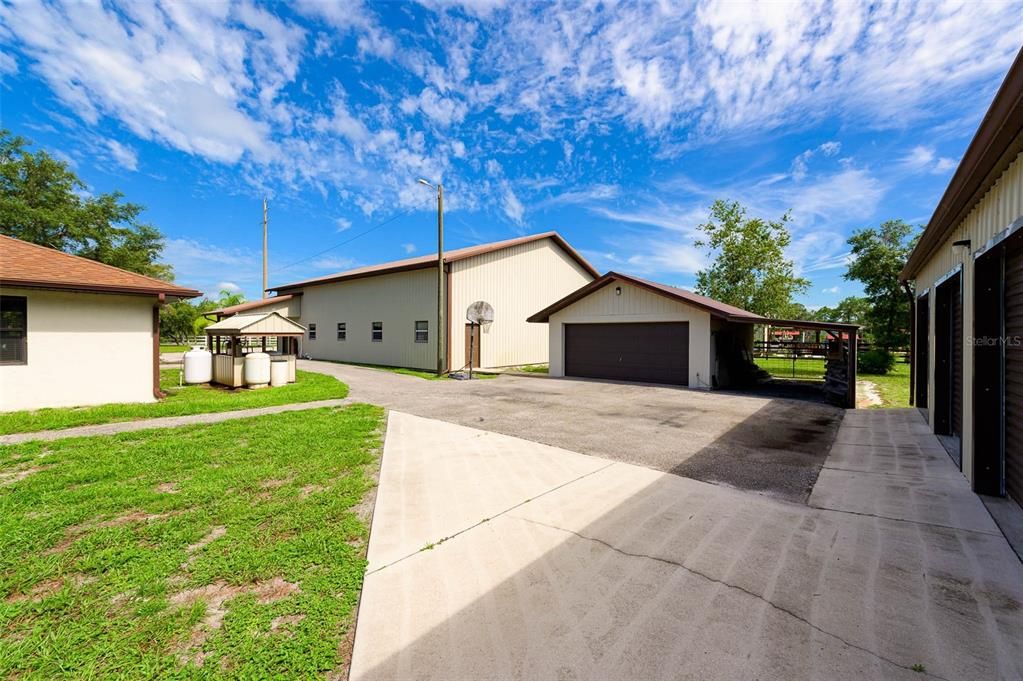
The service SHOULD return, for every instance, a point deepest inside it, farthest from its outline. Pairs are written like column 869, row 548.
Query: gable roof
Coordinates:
column 33, row 266
column 997, row 142
column 714, row 307
column 252, row 305
column 259, row 324
column 425, row 261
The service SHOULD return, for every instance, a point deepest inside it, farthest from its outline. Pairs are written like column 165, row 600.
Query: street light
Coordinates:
column 440, row 274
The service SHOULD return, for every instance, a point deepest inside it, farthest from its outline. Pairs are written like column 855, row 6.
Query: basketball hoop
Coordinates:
column 481, row 314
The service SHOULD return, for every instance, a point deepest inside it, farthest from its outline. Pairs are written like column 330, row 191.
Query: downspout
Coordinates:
column 912, row 343
column 157, row 393
column 450, row 322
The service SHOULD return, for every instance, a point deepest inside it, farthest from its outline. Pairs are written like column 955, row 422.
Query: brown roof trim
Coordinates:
column 253, row 304
column 426, row 261
column 714, row 307
column 171, row 290
column 994, row 146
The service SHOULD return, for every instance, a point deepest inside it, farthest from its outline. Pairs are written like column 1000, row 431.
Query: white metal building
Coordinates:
column 967, row 275
column 387, row 314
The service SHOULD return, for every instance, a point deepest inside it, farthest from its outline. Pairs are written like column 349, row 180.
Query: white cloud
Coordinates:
column 513, row 208
column 833, row 290
column 409, row 248
column 8, row 64
column 124, row 155
column 204, row 265
column 228, row 286
column 924, row 159
column 343, row 224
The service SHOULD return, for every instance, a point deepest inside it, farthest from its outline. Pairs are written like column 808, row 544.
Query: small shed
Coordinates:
column 224, row 340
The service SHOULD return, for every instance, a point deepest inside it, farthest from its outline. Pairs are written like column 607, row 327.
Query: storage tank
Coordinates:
column 198, row 366
column 256, row 371
column 278, row 371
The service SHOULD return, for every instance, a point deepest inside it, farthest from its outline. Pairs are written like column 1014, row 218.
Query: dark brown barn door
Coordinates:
column 988, row 374
column 649, row 352
column 472, row 344
column 923, row 346
column 1013, row 340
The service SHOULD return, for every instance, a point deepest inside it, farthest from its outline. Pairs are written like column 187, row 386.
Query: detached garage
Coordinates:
column 621, row 327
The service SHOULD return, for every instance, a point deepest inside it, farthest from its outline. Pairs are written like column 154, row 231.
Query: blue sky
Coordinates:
column 616, row 124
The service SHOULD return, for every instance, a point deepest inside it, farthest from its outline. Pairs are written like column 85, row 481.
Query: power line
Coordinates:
column 347, row 241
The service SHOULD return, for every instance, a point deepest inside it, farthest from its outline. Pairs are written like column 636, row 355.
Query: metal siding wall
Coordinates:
column 636, row 305
column 998, row 208
column 398, row 300
column 518, row 282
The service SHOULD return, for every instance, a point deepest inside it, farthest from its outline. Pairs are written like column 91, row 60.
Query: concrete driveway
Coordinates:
column 769, row 445
column 493, row 557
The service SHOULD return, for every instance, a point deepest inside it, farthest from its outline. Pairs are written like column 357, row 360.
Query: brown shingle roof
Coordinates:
column 425, row 261
column 32, row 266
column 715, row 307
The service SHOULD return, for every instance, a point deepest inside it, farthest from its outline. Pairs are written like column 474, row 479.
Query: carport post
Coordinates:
column 851, row 370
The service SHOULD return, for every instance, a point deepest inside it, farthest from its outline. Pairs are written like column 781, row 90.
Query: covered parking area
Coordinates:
column 624, row 328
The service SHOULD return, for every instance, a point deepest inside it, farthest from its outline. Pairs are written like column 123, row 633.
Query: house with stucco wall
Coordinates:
column 76, row 332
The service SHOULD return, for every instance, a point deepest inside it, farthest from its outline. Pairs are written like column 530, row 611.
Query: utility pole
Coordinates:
column 441, row 299
column 440, row 280
column 266, row 281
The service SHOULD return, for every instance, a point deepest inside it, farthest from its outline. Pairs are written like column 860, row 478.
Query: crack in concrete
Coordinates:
column 989, row 533
column 736, row 587
column 432, row 545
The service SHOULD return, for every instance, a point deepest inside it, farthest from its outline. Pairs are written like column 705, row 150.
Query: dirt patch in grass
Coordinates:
column 215, row 596
column 19, row 474
column 38, row 592
column 167, row 488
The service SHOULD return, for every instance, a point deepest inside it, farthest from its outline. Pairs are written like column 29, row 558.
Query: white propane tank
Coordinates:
column 257, row 370
column 198, row 366
column 278, row 371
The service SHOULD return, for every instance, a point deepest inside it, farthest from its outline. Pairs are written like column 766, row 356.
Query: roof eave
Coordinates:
column 172, row 292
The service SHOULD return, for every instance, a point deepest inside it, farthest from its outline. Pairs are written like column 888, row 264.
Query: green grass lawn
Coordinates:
column 804, row 368
column 534, row 368
column 192, row 399
column 232, row 549
column 893, row 387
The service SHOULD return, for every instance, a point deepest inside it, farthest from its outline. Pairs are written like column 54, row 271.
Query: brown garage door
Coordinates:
column 652, row 353
column 1014, row 373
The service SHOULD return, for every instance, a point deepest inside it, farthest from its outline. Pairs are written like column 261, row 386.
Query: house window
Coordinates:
column 342, row 331
column 312, row 332
column 13, row 330
column 378, row 332
column 422, row 332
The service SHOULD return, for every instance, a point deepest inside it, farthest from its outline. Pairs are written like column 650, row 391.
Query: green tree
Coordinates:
column 878, row 254
column 177, row 321
column 851, row 310
column 42, row 201
column 750, row 269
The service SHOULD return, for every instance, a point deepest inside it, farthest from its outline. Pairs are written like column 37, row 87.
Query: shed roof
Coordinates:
column 997, row 142
column 425, row 261
column 715, row 307
column 252, row 305
column 34, row 266
column 260, row 324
